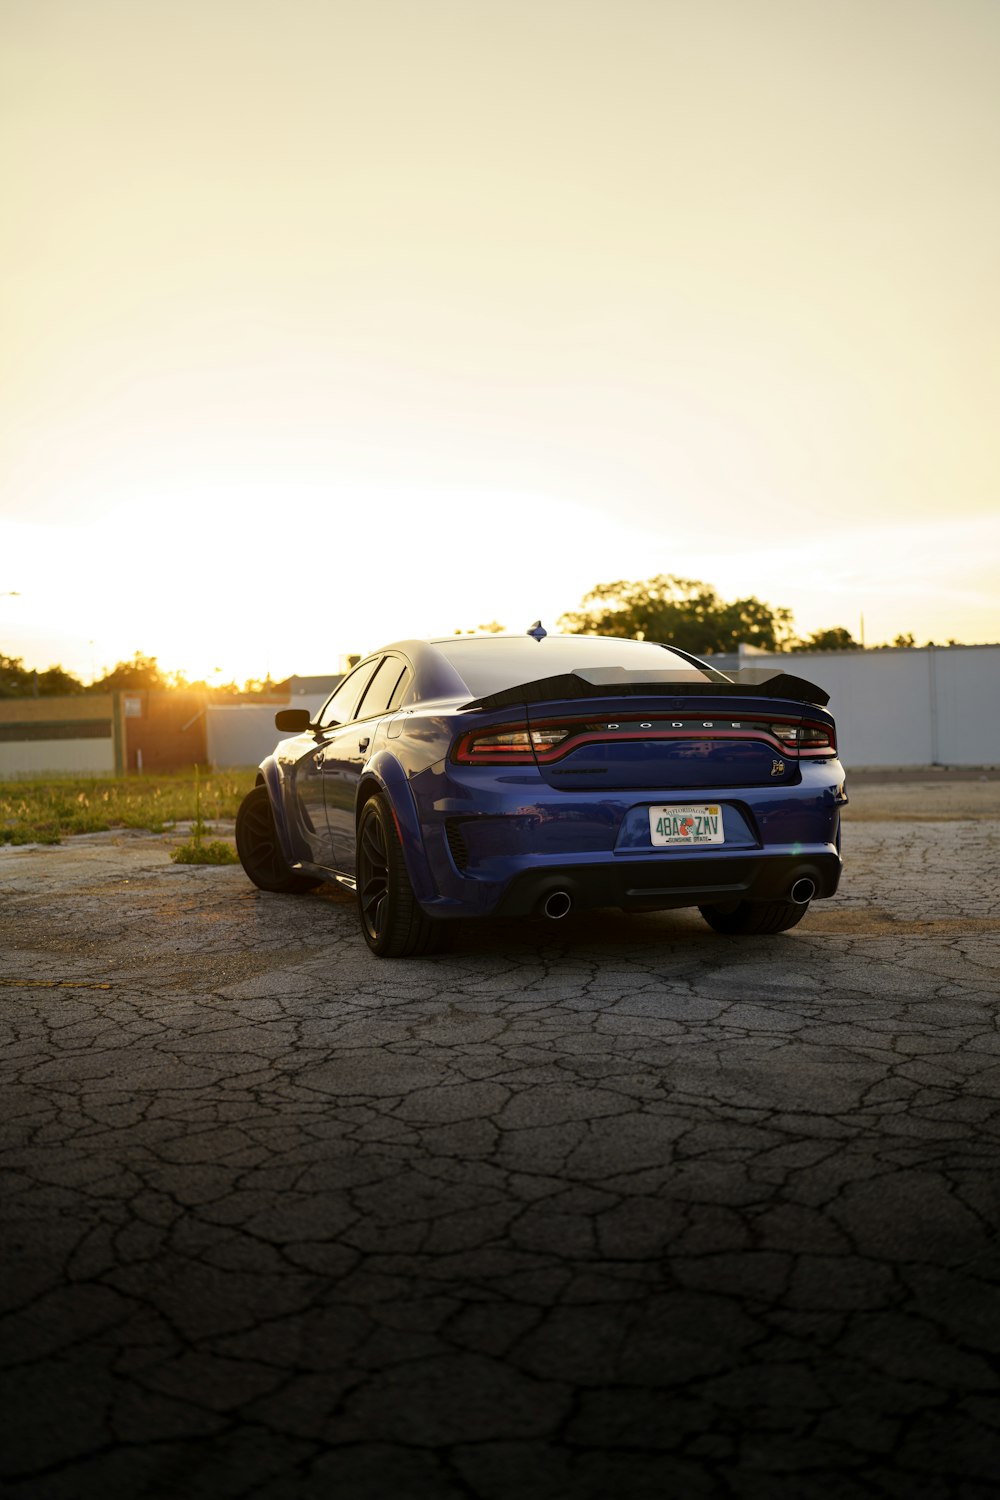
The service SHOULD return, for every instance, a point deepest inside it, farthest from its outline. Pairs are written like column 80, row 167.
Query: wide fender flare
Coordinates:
column 386, row 771
column 271, row 774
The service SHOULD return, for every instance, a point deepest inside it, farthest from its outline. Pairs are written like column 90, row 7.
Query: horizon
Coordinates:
column 262, row 683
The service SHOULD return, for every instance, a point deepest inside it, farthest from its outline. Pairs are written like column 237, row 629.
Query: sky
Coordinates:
column 326, row 324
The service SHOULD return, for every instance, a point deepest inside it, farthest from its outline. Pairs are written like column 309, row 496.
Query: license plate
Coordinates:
column 692, row 823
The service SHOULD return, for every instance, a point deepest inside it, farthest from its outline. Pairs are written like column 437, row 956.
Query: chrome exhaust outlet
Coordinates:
column 803, row 890
column 557, row 904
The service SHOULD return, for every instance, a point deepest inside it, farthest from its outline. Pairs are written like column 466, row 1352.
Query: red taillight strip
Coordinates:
column 466, row 754
column 694, row 727
column 682, row 727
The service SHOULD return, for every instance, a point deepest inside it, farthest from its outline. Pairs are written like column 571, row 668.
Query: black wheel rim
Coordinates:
column 260, row 843
column 373, row 875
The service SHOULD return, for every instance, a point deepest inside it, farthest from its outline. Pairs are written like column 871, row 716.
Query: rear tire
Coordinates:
column 393, row 924
column 258, row 848
column 750, row 918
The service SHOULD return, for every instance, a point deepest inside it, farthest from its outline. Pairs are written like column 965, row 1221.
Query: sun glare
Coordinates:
column 278, row 388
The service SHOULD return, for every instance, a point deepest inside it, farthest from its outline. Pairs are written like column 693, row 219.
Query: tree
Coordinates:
column 142, row 672
column 680, row 612
column 14, row 680
column 56, row 682
column 19, row 681
column 834, row 639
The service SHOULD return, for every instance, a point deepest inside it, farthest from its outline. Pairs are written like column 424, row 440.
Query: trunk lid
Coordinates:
column 671, row 744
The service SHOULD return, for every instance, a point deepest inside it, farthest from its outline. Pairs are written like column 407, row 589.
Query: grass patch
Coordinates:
column 195, row 851
column 54, row 807
column 215, row 852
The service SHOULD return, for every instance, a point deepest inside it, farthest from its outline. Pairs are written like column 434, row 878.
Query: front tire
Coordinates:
column 751, row 918
column 258, row 848
column 392, row 921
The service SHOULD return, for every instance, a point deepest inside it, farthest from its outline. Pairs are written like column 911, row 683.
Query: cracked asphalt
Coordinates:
column 609, row 1207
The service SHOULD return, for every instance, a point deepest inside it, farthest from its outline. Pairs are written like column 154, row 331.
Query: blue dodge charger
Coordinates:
column 510, row 775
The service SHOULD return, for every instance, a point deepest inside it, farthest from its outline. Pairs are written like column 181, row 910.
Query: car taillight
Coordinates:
column 500, row 745
column 807, row 739
column 548, row 739
column 506, row 745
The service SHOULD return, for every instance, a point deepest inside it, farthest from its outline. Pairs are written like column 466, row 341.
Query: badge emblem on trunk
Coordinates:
column 777, row 768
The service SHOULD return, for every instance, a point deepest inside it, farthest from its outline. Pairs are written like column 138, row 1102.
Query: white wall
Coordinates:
column 933, row 706
column 242, row 734
column 88, row 757
column 967, row 705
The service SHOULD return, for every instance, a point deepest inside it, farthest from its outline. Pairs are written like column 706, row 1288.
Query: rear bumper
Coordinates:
column 685, row 880
column 501, row 845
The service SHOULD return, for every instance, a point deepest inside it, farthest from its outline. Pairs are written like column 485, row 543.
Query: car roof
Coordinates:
column 513, row 635
column 440, row 672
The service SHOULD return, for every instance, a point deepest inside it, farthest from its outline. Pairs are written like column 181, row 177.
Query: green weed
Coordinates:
column 195, row 851
column 215, row 852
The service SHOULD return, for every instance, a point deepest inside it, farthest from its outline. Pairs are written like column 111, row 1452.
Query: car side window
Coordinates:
column 405, row 678
column 379, row 692
column 340, row 709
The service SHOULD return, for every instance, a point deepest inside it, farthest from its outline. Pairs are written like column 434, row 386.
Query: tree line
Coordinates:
column 683, row 612
column 140, row 673
column 688, row 613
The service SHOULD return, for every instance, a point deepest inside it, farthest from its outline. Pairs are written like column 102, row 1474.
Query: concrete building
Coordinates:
column 84, row 734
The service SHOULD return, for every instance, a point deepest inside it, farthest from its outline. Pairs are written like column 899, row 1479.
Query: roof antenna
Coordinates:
column 538, row 631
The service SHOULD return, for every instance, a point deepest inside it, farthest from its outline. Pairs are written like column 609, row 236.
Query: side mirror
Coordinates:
column 293, row 720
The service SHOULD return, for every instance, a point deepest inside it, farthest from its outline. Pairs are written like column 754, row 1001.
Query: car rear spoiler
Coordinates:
column 615, row 682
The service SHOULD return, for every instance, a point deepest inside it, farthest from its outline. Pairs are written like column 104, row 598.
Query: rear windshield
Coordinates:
column 487, row 664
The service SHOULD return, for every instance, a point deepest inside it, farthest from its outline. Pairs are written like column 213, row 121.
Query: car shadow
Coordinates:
column 631, row 935
column 603, row 930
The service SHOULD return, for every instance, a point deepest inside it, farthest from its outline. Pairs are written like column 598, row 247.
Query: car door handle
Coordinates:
column 364, row 743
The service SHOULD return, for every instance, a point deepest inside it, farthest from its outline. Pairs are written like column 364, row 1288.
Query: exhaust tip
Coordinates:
column 803, row 890
column 557, row 904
